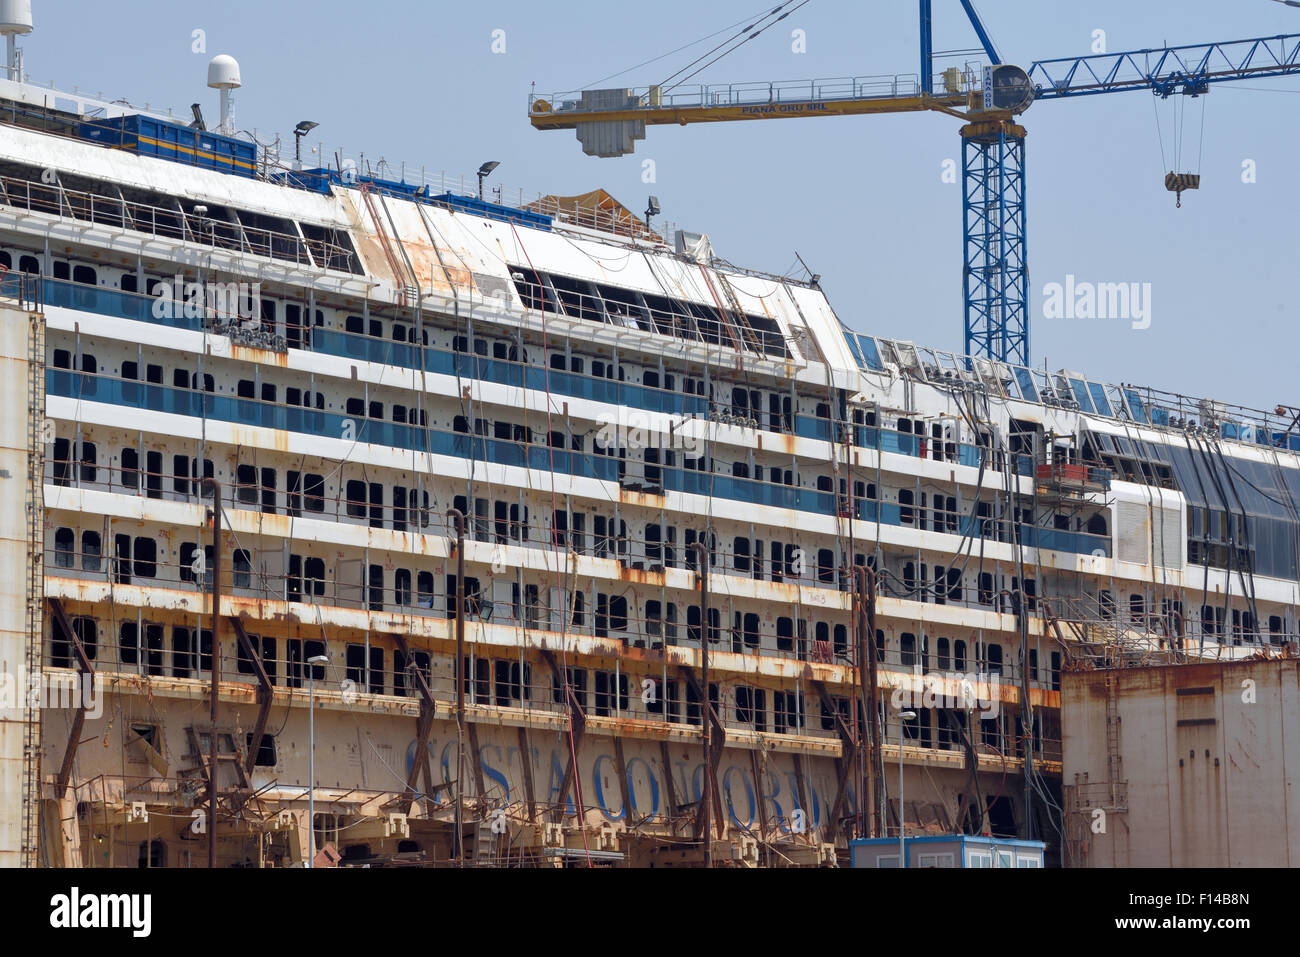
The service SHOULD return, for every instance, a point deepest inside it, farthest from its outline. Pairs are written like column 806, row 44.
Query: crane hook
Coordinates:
column 1177, row 182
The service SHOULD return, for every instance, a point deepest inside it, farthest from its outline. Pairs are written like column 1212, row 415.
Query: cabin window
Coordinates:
column 787, row 712
column 375, row 588
column 402, row 586
column 88, row 460
column 356, row 498
column 62, row 461
column 90, row 551
column 611, row 693
column 130, row 467
column 243, row 565
column 265, row 750
column 785, row 634
column 907, row 649
column 65, row 542
column 144, row 554
column 246, row 483
column 128, row 643
column 182, row 652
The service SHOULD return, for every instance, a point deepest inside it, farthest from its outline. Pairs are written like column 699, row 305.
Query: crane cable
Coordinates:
column 1176, row 181
column 1180, row 116
column 741, row 36
column 685, row 46
column 735, row 42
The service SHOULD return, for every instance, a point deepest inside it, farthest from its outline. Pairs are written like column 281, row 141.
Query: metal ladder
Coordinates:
column 408, row 290
column 741, row 322
column 731, row 316
column 485, row 844
column 1113, row 759
column 35, row 581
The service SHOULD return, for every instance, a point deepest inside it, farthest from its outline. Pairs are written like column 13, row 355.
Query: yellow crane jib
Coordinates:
column 608, row 122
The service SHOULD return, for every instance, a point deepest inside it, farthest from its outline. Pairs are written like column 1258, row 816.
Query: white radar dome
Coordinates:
column 15, row 17
column 223, row 73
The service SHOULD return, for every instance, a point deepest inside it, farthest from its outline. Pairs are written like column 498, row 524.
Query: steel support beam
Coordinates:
column 671, row 786
column 265, row 691
column 873, row 761
column 526, row 762
column 850, row 754
column 757, row 769
column 578, row 721
column 801, row 791
column 709, row 811
column 995, row 276
column 476, row 760
column 624, row 785
column 927, row 49
column 84, row 668
column 1166, row 71
column 423, row 726
column 985, row 40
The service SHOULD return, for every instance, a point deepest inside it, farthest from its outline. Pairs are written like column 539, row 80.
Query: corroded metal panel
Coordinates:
column 1183, row 765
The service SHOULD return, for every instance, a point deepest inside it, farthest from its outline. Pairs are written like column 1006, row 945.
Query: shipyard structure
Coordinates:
column 350, row 518
column 1182, row 765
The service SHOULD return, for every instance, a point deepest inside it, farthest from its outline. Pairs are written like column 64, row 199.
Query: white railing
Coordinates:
column 439, row 182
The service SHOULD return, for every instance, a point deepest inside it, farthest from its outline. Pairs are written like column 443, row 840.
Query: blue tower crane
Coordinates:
column 995, row 266
column 995, row 270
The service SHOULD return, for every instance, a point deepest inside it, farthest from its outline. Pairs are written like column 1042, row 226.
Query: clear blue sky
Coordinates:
column 860, row 198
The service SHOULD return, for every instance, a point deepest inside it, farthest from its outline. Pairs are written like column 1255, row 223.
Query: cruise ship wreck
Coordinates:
column 351, row 518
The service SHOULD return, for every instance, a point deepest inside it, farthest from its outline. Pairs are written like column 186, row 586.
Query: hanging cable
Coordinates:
column 740, row 36
column 1160, row 133
column 738, row 41
column 686, row 46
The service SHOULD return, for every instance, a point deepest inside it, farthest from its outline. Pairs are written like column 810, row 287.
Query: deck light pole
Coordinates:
column 484, row 172
column 652, row 209
column 702, row 559
column 902, row 851
column 299, row 131
column 215, row 487
column 458, row 522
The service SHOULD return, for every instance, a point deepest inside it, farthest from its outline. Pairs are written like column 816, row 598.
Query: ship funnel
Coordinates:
column 223, row 75
column 15, row 21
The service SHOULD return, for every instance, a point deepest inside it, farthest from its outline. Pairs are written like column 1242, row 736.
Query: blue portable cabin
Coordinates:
column 173, row 141
column 947, row 850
